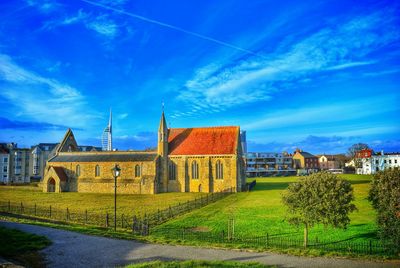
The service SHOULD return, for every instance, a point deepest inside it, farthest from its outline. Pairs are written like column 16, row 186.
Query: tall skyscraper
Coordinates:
column 106, row 138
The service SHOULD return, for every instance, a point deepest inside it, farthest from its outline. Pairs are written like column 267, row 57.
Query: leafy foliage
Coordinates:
column 319, row 198
column 385, row 198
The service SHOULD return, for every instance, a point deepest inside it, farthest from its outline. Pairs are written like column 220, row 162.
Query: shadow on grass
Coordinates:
column 359, row 181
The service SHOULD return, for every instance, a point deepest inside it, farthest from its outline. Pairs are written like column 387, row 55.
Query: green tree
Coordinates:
column 321, row 198
column 385, row 198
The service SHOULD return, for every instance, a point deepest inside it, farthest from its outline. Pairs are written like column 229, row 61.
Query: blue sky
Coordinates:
column 319, row 76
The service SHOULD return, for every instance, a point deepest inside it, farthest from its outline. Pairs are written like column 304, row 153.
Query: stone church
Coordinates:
column 207, row 159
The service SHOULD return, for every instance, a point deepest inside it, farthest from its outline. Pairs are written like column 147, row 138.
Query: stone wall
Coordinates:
column 127, row 183
column 207, row 181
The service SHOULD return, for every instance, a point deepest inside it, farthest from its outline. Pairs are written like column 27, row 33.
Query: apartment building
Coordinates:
column 39, row 155
column 379, row 161
column 268, row 164
column 4, row 163
column 19, row 165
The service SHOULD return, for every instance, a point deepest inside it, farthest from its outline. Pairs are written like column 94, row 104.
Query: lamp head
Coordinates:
column 116, row 170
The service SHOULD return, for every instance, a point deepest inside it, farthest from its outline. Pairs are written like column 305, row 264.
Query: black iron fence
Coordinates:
column 366, row 247
column 138, row 224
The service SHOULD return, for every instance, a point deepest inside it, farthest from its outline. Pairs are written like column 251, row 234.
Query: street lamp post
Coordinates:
column 116, row 170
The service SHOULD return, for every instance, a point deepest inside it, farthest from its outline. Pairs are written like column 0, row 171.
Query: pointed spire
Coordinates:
column 163, row 123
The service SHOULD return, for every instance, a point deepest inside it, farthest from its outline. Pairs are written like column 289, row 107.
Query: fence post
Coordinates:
column 22, row 208
column 9, row 206
column 122, row 220
column 35, row 210
column 158, row 215
column 107, row 220
column 66, row 215
column 86, row 217
column 370, row 247
column 170, row 212
column 50, row 212
column 267, row 239
column 133, row 224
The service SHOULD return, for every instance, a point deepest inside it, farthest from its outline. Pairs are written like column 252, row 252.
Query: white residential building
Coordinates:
column 267, row 164
column 4, row 165
column 378, row 162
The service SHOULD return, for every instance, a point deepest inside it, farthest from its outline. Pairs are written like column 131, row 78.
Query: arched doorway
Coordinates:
column 51, row 185
column 200, row 188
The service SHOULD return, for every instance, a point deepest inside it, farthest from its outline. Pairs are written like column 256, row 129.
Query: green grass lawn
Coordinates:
column 22, row 247
column 196, row 264
column 94, row 203
column 260, row 212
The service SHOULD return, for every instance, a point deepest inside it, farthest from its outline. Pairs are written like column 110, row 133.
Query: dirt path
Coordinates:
column 71, row 249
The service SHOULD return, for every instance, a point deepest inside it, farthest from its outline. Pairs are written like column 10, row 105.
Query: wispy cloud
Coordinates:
column 28, row 125
column 323, row 114
column 44, row 6
column 40, row 98
column 101, row 24
column 223, row 85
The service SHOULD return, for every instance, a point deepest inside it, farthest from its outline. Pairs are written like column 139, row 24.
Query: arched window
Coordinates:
column 97, row 171
column 172, row 171
column 137, row 171
column 78, row 170
column 195, row 170
column 219, row 170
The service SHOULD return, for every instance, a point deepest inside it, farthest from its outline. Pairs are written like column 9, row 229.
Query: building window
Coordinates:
column 219, row 169
column 137, row 171
column 5, row 160
column 195, row 170
column 377, row 162
column 78, row 170
column 390, row 161
column 395, row 161
column 97, row 171
column 5, row 170
column 172, row 171
column 384, row 161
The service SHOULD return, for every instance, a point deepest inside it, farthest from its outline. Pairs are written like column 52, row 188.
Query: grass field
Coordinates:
column 197, row 264
column 97, row 203
column 22, row 247
column 261, row 211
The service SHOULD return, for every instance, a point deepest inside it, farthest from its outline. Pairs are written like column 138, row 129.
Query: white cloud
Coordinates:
column 325, row 114
column 103, row 26
column 100, row 24
column 257, row 78
column 42, row 99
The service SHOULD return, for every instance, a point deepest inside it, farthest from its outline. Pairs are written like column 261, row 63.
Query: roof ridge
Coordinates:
column 212, row 127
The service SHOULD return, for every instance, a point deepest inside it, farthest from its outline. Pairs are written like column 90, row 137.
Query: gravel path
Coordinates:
column 71, row 249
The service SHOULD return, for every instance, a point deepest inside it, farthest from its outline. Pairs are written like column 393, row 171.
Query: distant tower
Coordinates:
column 106, row 138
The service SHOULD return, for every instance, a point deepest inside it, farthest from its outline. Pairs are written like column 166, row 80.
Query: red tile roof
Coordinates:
column 203, row 141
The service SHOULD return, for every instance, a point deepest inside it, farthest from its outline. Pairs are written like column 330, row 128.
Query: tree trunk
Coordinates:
column 305, row 235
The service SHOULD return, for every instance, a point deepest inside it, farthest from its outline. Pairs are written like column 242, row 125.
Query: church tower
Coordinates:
column 163, row 137
column 162, row 149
